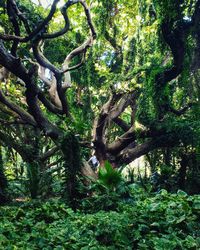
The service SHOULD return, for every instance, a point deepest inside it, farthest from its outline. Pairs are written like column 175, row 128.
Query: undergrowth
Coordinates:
column 163, row 221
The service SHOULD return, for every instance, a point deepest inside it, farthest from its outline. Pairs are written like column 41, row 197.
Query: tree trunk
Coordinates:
column 182, row 172
column 71, row 151
column 33, row 178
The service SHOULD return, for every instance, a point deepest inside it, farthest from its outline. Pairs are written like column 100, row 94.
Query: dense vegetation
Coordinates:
column 115, row 79
column 165, row 221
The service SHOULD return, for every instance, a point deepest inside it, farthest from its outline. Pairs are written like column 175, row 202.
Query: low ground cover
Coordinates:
column 160, row 221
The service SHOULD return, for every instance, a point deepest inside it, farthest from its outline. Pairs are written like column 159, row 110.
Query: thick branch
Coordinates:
column 123, row 103
column 129, row 155
column 51, row 107
column 122, row 142
column 14, row 21
column 175, row 39
column 122, row 124
column 100, row 126
column 41, row 59
column 15, row 66
column 129, row 139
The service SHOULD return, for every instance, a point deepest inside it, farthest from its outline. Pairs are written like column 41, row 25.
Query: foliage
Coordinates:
column 137, row 93
column 109, row 177
column 165, row 221
column 105, row 192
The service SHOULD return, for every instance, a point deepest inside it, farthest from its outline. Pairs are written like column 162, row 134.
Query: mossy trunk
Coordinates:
column 71, row 151
column 33, row 178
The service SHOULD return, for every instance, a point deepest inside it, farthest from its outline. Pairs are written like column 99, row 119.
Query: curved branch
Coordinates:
column 76, row 66
column 15, row 66
column 89, row 19
column 52, row 108
column 66, row 27
column 82, row 48
column 14, row 21
column 41, row 59
column 7, row 37
column 175, row 39
column 20, row 15
column 126, row 100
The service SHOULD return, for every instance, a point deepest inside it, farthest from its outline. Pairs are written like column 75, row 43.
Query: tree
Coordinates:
column 30, row 72
column 164, row 123
column 138, row 74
